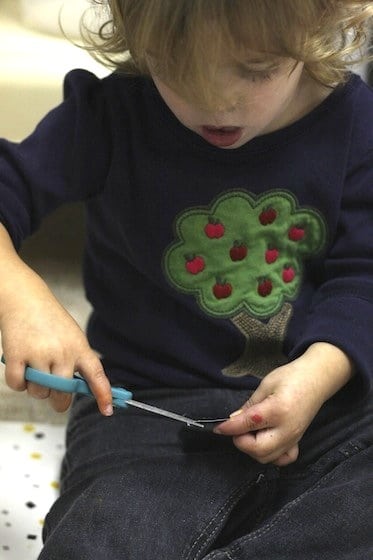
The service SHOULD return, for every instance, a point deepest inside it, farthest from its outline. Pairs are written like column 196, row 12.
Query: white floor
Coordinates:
column 30, row 458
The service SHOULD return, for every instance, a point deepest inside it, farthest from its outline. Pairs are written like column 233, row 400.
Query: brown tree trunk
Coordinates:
column 264, row 342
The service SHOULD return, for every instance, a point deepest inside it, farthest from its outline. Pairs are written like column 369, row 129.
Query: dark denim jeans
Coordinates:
column 139, row 487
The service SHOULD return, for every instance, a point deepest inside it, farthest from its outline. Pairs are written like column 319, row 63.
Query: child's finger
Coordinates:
column 249, row 419
column 15, row 374
column 33, row 389
column 262, row 446
column 37, row 391
column 290, row 456
column 61, row 401
column 267, row 446
column 90, row 367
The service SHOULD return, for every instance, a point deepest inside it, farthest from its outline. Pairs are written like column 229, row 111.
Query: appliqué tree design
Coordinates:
column 242, row 258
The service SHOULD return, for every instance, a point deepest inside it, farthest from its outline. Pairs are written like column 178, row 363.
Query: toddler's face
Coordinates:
column 262, row 98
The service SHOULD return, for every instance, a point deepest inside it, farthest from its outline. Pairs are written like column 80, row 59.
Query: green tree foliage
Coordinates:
column 244, row 253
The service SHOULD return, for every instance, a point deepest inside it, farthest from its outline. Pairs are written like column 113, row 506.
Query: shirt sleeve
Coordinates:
column 342, row 308
column 63, row 160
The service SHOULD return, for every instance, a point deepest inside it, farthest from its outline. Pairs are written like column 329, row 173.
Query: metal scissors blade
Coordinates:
column 121, row 397
column 161, row 412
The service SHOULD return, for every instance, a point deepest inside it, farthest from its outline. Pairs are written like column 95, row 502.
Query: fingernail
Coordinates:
column 108, row 410
column 236, row 413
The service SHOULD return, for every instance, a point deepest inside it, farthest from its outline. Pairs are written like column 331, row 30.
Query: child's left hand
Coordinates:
column 270, row 424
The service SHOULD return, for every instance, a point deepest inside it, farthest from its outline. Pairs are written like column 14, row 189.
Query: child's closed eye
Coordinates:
column 257, row 75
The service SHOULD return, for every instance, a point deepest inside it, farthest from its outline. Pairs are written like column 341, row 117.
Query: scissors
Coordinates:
column 121, row 397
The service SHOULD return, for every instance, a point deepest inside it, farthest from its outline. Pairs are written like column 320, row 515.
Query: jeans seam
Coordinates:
column 204, row 535
column 259, row 532
column 216, row 553
column 346, row 450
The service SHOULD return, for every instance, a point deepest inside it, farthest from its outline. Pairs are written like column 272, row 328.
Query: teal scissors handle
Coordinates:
column 73, row 385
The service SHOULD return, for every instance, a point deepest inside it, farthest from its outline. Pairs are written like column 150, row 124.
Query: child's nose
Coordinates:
column 229, row 106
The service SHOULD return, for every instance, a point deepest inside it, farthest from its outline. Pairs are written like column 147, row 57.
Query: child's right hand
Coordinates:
column 43, row 335
column 38, row 332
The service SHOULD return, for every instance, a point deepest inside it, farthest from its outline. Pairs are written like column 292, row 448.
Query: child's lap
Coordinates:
column 137, row 486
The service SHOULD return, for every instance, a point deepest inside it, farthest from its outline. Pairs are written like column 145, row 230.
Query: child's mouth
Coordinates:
column 222, row 136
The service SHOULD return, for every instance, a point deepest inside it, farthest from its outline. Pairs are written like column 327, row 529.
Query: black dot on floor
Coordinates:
column 32, row 537
column 30, row 505
column 39, row 435
column 5, row 512
column 5, row 547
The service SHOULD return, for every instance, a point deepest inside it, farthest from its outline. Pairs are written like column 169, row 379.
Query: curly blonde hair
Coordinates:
column 185, row 40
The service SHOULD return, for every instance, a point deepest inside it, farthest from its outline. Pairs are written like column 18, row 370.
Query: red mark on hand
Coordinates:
column 256, row 418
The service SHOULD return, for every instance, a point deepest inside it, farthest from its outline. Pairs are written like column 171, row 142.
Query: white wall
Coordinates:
column 32, row 67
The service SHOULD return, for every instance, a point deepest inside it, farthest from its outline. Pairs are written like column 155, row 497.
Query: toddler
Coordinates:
column 227, row 172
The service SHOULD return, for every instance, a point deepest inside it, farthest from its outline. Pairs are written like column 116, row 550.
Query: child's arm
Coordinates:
column 38, row 331
column 271, row 423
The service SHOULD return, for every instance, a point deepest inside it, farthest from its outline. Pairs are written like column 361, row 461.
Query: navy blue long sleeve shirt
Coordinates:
column 207, row 267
